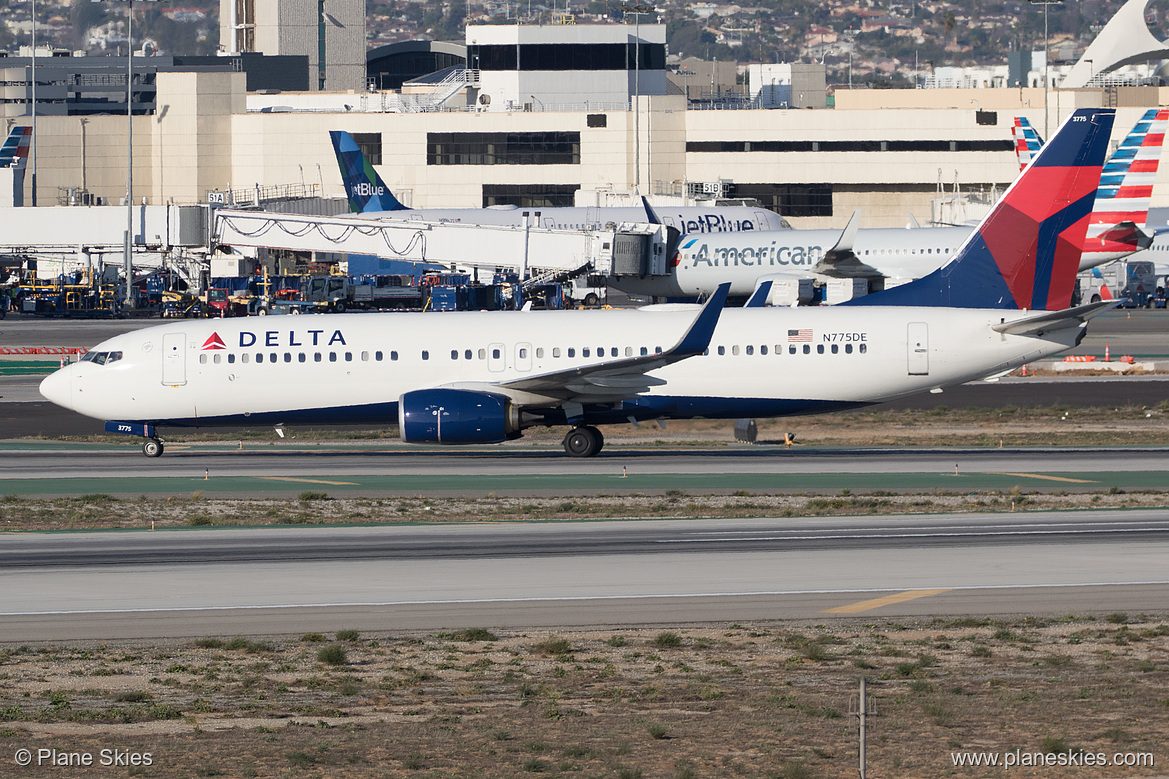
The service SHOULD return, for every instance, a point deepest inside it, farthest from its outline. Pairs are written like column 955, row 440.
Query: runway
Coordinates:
column 62, row 468
column 287, row 580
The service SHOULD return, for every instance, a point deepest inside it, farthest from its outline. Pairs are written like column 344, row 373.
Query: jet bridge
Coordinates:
column 638, row 249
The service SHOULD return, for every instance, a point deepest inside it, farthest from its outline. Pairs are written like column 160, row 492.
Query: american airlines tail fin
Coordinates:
column 1025, row 253
column 1027, row 141
column 1126, row 186
column 14, row 152
column 366, row 191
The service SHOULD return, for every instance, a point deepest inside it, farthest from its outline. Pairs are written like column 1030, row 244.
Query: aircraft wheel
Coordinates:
column 583, row 441
column 152, row 447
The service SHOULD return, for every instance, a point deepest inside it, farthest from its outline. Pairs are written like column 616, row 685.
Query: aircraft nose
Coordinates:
column 58, row 387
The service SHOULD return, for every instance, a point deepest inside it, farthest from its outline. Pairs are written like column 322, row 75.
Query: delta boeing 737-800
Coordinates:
column 485, row 377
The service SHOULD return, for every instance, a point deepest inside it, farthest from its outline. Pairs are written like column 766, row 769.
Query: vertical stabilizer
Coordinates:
column 14, row 152
column 1027, row 141
column 1026, row 251
column 366, row 191
column 1126, row 187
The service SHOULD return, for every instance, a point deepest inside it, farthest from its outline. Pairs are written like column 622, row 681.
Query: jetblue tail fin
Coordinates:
column 14, row 152
column 1026, row 251
column 366, row 191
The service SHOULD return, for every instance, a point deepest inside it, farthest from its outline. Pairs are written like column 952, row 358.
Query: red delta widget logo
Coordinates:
column 213, row 342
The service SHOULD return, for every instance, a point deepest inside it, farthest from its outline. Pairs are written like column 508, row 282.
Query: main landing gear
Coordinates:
column 152, row 447
column 583, row 441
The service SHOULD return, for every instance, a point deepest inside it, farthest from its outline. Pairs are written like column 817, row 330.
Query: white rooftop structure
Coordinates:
column 593, row 66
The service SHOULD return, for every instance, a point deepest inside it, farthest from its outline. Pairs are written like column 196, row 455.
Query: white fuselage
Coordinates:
column 355, row 367
column 685, row 219
column 705, row 261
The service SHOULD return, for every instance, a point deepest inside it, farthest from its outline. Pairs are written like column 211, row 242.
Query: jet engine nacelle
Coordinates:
column 455, row 416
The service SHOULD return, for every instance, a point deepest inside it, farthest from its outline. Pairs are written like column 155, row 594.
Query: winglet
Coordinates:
column 758, row 298
column 365, row 189
column 698, row 337
column 848, row 235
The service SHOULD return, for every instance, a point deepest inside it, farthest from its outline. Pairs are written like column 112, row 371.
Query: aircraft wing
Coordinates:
column 620, row 379
column 841, row 262
column 1055, row 320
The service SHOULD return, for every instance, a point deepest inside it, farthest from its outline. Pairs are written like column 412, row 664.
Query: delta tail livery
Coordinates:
column 485, row 377
column 1116, row 230
column 369, row 195
column 1121, row 214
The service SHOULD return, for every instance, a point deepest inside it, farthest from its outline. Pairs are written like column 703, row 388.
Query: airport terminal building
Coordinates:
column 551, row 115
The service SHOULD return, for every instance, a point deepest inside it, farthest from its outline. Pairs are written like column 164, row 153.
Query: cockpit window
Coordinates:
column 102, row 358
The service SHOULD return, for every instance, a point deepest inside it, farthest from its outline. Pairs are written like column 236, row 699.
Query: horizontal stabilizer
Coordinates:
column 758, row 298
column 1055, row 320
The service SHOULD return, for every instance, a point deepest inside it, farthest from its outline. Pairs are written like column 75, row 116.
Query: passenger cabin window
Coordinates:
column 425, row 354
column 571, row 352
column 393, row 356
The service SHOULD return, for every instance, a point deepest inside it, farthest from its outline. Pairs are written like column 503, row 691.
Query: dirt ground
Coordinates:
column 757, row 700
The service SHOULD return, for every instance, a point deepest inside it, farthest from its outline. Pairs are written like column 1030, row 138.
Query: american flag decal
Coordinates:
column 799, row 335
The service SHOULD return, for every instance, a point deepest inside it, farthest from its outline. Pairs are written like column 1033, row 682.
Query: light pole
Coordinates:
column 127, row 248
column 33, row 79
column 1046, row 57
column 637, row 11
column 851, row 33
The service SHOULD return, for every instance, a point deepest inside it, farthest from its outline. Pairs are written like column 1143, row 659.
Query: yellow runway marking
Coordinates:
column 309, row 481
column 865, row 605
column 1040, row 476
